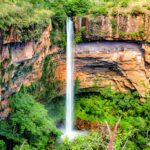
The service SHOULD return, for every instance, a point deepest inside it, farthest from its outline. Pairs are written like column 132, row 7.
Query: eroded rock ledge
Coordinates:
column 120, row 64
column 124, row 65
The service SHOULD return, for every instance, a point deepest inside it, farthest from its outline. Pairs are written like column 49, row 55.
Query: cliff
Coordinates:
column 122, row 60
column 21, row 64
column 120, row 55
column 114, row 27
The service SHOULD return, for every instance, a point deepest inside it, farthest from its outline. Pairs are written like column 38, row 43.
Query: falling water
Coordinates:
column 69, row 80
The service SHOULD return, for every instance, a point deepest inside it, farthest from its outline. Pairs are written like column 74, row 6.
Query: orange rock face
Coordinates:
column 119, row 64
column 22, row 62
column 123, row 65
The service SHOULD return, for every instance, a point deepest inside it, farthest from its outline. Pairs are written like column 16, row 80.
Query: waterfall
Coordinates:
column 69, row 125
column 69, row 79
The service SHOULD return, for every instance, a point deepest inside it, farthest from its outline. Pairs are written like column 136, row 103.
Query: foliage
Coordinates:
column 93, row 141
column 148, row 7
column 27, row 19
column 99, row 11
column 139, row 34
column 57, row 35
column 104, row 7
column 79, row 36
column 125, row 3
column 2, row 145
column 110, row 105
column 56, row 109
column 114, row 12
column 29, row 122
column 77, row 85
column 122, row 34
column 136, row 10
column 77, row 7
column 47, row 87
column 114, row 25
column 48, row 81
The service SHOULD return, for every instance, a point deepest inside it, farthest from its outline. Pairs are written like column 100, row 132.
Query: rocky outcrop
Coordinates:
column 114, row 27
column 119, row 64
column 123, row 65
column 21, row 63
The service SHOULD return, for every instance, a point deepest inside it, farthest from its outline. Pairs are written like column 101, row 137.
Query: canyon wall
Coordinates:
column 21, row 64
column 119, row 64
column 114, row 27
column 123, row 65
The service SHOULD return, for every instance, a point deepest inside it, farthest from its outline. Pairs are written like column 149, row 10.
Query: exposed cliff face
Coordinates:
column 21, row 63
column 126, row 66
column 117, row 27
column 120, row 64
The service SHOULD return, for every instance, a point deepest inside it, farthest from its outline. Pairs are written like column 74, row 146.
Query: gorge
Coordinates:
column 99, row 64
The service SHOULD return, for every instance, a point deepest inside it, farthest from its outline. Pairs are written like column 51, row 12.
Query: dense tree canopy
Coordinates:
column 29, row 122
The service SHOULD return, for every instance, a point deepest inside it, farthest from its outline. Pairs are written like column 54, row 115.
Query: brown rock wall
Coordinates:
column 120, row 27
column 119, row 64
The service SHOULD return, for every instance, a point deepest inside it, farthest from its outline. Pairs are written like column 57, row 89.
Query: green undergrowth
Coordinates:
column 105, row 7
column 92, row 141
column 24, row 17
column 56, row 109
column 108, row 105
column 47, row 87
column 28, row 126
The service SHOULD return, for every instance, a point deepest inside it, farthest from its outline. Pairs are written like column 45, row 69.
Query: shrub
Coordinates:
column 79, row 36
column 27, row 20
column 28, row 122
column 114, row 12
column 97, row 11
column 148, row 7
column 124, row 3
column 114, row 25
column 110, row 105
column 2, row 145
column 77, row 7
column 136, row 10
column 89, row 142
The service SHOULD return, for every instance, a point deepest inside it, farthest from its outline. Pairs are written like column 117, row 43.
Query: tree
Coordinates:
column 77, row 7
column 29, row 122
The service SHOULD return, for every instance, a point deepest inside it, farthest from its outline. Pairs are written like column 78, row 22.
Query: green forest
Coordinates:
column 38, row 110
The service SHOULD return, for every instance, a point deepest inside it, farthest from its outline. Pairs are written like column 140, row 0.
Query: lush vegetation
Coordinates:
column 103, row 7
column 108, row 105
column 92, row 141
column 46, row 88
column 28, row 125
column 27, row 18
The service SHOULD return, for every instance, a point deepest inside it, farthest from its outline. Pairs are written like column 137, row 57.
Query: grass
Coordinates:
column 103, row 7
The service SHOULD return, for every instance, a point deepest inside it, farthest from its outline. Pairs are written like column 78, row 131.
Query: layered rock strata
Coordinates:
column 119, row 64
column 123, row 65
